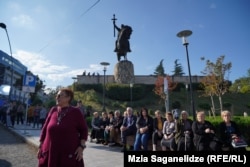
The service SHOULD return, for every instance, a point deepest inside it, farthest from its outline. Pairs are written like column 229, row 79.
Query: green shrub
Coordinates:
column 242, row 122
column 89, row 119
column 122, row 92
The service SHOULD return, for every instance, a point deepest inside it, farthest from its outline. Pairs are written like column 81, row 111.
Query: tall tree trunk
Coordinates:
column 213, row 107
column 220, row 100
column 167, row 104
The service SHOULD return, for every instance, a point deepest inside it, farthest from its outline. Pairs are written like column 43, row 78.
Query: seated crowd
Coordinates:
column 169, row 133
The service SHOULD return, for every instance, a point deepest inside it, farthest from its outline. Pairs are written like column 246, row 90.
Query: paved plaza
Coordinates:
column 95, row 155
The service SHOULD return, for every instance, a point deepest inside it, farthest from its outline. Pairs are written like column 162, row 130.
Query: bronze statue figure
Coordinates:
column 122, row 45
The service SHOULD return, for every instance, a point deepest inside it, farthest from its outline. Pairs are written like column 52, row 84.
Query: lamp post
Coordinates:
column 186, row 85
column 104, row 64
column 167, row 94
column 131, row 93
column 2, row 25
column 184, row 34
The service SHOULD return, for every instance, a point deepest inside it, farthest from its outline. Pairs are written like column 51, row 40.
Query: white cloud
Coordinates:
column 53, row 74
column 36, row 63
column 23, row 20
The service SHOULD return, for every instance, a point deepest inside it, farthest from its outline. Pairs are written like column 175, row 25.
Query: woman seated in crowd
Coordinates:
column 168, row 141
column 157, row 128
column 115, row 132
column 103, row 123
column 184, row 133
column 95, row 124
column 204, row 134
column 109, row 128
column 144, row 125
column 229, row 131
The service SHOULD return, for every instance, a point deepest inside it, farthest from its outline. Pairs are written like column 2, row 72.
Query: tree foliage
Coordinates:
column 178, row 69
column 159, row 86
column 215, row 82
column 242, row 85
column 159, row 71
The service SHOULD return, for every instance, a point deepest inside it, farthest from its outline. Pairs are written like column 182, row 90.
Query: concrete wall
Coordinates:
column 139, row 79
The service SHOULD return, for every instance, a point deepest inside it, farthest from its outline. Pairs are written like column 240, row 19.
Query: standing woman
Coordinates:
column 64, row 134
column 144, row 125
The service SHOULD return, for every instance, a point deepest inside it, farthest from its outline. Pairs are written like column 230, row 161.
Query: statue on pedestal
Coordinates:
column 122, row 45
column 124, row 69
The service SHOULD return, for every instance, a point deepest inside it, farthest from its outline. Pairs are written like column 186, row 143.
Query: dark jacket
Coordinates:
column 132, row 126
column 180, row 129
column 199, row 132
column 95, row 123
column 118, row 122
column 141, row 122
column 104, row 122
column 225, row 133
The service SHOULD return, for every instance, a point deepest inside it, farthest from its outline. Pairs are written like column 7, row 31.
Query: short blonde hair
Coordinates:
column 225, row 112
column 200, row 113
column 158, row 112
column 95, row 113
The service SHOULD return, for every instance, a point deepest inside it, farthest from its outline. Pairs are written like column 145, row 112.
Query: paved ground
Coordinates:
column 14, row 152
column 95, row 155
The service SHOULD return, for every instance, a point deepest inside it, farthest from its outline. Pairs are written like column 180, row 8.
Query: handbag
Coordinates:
column 239, row 142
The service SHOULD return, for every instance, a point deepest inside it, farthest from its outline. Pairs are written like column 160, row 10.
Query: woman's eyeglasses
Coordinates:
column 59, row 95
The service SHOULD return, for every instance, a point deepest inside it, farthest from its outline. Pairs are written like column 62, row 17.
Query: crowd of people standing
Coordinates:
column 14, row 113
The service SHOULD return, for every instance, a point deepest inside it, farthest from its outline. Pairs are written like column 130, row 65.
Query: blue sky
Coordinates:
column 59, row 39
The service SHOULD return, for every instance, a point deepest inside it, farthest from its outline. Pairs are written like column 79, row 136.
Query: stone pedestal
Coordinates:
column 124, row 72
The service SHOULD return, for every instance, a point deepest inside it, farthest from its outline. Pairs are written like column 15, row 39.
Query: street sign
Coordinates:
column 29, row 83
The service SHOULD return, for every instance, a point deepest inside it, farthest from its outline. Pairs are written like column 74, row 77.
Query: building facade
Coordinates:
column 7, row 64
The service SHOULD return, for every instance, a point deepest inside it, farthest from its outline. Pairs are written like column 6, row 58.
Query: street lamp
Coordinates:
column 2, row 25
column 167, row 94
column 186, row 85
column 184, row 34
column 104, row 64
column 131, row 93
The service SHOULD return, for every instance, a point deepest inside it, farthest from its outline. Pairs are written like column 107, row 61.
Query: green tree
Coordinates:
column 215, row 73
column 159, row 70
column 178, row 70
column 209, row 89
column 242, row 84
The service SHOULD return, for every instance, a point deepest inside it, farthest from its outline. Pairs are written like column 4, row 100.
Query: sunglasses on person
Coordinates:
column 60, row 95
